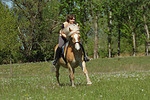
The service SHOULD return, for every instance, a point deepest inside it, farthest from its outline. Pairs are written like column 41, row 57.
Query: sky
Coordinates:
column 8, row 2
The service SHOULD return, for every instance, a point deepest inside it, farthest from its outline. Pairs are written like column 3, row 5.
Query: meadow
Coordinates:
column 122, row 78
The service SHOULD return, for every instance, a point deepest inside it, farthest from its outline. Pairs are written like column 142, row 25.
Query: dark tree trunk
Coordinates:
column 11, row 69
column 119, row 41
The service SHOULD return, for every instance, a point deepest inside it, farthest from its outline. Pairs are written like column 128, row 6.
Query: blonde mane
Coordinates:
column 72, row 28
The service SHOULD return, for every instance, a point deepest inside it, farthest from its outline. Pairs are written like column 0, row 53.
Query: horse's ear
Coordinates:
column 70, row 29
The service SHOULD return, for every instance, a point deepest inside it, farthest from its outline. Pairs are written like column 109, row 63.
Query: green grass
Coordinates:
column 113, row 79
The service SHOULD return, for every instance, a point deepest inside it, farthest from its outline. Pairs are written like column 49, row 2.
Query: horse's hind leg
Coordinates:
column 83, row 66
column 57, row 73
column 71, row 71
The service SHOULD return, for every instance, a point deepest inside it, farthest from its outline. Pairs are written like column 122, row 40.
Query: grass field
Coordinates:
column 113, row 79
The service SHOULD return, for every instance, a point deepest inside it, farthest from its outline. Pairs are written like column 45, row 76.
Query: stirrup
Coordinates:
column 54, row 62
column 86, row 59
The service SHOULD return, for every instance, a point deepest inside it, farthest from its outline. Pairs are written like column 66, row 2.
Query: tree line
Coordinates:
column 29, row 30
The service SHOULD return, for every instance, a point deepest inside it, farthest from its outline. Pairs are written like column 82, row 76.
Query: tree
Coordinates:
column 145, row 9
column 51, row 24
column 38, row 23
column 118, row 18
column 108, row 13
column 96, row 12
column 8, row 32
column 131, row 20
column 107, row 27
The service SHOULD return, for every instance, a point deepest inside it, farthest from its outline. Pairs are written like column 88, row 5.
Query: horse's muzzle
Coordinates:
column 77, row 46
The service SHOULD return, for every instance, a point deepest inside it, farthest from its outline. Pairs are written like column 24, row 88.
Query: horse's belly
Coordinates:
column 74, row 64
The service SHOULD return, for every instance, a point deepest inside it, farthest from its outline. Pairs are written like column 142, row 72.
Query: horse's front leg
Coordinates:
column 71, row 71
column 73, row 74
column 83, row 66
column 57, row 74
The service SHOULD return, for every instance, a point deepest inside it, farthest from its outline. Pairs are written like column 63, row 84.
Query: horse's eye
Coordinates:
column 78, row 34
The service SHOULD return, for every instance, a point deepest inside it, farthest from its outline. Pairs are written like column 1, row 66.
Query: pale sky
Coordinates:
column 8, row 2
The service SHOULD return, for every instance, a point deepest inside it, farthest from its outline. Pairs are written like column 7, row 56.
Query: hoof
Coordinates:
column 89, row 83
column 58, row 84
column 73, row 86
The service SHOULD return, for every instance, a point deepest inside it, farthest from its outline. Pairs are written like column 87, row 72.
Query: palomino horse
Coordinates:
column 73, row 56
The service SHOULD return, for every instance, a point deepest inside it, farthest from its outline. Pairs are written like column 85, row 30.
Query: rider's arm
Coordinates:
column 64, row 25
column 77, row 24
column 62, row 33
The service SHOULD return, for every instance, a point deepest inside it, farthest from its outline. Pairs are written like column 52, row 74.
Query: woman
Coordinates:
column 70, row 19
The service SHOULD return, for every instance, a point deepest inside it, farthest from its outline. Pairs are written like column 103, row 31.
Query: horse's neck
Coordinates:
column 71, row 45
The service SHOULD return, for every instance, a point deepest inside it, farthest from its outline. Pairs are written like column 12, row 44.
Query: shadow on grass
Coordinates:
column 76, row 84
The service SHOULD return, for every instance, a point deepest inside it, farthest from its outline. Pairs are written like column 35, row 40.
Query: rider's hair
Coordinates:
column 70, row 17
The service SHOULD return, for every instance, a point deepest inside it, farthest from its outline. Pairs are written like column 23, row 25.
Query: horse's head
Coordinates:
column 75, row 37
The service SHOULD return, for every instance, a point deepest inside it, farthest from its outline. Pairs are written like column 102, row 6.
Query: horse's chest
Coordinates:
column 74, row 57
column 75, row 62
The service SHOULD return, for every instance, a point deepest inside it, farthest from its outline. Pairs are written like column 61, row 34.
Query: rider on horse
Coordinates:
column 70, row 19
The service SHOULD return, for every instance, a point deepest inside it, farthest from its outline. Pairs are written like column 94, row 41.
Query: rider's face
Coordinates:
column 71, row 21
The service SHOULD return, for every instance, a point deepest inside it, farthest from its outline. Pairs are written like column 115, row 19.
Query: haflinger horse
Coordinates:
column 73, row 55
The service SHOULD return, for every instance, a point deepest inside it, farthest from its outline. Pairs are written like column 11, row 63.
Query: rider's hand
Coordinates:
column 63, row 34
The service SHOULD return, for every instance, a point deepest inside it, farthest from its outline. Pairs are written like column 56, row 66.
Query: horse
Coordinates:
column 73, row 56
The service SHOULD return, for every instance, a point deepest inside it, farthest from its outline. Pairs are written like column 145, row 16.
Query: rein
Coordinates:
column 76, row 42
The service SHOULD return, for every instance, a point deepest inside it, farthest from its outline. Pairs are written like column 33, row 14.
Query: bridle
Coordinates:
column 73, row 36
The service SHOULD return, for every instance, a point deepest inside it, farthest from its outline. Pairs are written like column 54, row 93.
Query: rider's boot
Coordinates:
column 85, row 56
column 57, row 55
